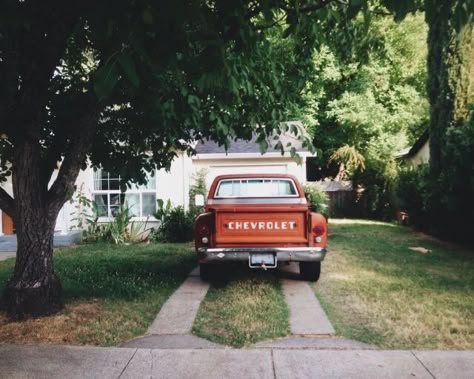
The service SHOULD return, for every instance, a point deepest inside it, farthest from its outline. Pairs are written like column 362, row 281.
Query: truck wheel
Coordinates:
column 207, row 272
column 310, row 271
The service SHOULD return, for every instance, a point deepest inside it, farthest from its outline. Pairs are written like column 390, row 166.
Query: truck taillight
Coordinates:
column 319, row 230
column 203, row 231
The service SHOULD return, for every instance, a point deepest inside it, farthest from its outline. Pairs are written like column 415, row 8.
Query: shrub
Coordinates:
column 199, row 187
column 318, row 199
column 453, row 191
column 176, row 225
column 413, row 194
column 119, row 231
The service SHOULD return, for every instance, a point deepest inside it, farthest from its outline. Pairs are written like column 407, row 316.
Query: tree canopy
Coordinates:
column 113, row 81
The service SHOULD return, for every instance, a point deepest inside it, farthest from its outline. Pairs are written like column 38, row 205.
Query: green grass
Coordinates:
column 375, row 289
column 247, row 308
column 112, row 293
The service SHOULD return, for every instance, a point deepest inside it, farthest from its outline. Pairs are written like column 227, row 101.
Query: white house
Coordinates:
column 242, row 157
column 417, row 154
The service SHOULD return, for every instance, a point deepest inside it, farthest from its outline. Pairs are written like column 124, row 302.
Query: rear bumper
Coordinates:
column 283, row 254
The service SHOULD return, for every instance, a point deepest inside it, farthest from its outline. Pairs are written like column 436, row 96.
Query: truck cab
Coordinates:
column 263, row 220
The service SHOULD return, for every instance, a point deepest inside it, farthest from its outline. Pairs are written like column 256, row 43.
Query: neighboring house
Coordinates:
column 418, row 154
column 242, row 157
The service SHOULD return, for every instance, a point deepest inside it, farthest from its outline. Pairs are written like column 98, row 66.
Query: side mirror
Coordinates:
column 199, row 200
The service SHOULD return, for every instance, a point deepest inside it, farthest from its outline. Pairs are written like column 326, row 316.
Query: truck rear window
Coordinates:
column 256, row 188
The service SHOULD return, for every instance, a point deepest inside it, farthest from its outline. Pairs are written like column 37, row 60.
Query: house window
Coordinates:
column 140, row 199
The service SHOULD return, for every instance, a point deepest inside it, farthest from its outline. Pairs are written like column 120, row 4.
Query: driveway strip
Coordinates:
column 306, row 315
column 178, row 313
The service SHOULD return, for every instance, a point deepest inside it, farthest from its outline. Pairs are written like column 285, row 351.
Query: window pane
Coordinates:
column 101, row 181
column 132, row 200
column 256, row 188
column 148, row 204
column 101, row 201
column 114, row 184
column 115, row 199
column 225, row 188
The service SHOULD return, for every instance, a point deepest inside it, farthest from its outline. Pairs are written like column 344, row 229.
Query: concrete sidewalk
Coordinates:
column 93, row 362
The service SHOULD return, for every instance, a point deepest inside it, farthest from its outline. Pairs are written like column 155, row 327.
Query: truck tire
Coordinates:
column 207, row 272
column 310, row 271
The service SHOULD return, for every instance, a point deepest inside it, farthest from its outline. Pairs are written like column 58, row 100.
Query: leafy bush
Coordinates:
column 199, row 187
column 176, row 224
column 318, row 199
column 119, row 231
column 453, row 190
column 82, row 205
column 413, row 191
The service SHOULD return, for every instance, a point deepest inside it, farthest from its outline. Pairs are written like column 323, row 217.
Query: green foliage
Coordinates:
column 176, row 224
column 454, row 188
column 82, row 206
column 451, row 79
column 199, row 187
column 367, row 101
column 413, row 191
column 318, row 199
column 120, row 230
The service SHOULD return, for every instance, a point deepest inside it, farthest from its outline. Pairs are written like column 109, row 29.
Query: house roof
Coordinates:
column 241, row 146
column 411, row 151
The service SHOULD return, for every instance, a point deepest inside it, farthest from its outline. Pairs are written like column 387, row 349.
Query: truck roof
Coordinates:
column 264, row 175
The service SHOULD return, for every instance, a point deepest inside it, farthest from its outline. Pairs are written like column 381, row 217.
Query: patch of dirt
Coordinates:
column 65, row 327
column 420, row 249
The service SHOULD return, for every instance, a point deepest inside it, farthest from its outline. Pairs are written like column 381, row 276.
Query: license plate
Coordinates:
column 257, row 260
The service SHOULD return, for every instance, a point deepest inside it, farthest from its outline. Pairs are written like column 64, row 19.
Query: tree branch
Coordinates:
column 7, row 203
column 308, row 8
column 76, row 153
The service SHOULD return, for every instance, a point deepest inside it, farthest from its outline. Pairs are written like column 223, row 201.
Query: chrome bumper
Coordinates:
column 283, row 254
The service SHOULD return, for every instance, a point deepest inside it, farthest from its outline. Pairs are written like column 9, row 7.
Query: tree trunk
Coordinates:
column 34, row 290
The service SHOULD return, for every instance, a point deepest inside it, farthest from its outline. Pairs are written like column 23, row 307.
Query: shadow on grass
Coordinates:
column 118, row 272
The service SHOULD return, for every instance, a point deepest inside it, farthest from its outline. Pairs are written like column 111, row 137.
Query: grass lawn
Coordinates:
column 112, row 293
column 375, row 289
column 248, row 307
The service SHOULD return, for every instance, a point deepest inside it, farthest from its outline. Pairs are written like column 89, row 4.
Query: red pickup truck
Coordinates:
column 262, row 219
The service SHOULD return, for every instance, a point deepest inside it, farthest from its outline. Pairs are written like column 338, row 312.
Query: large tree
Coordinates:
column 109, row 82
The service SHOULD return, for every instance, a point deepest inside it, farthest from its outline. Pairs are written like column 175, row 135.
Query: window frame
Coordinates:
column 130, row 191
column 295, row 188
